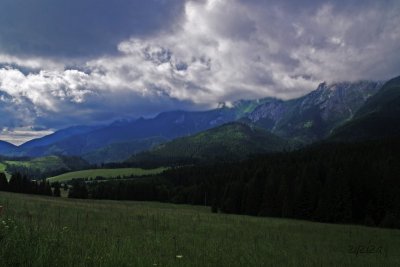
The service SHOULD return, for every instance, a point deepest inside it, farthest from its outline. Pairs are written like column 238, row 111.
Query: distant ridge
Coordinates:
column 229, row 142
column 6, row 147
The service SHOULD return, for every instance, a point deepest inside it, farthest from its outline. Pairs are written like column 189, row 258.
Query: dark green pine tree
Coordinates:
column 78, row 190
column 15, row 184
column 269, row 206
column 254, row 194
column 232, row 199
column 285, row 199
column 57, row 191
column 335, row 203
column 47, row 188
column 306, row 192
column 26, row 185
column 3, row 182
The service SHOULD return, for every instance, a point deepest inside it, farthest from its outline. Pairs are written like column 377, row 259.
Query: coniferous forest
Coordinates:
column 328, row 182
column 339, row 183
column 23, row 184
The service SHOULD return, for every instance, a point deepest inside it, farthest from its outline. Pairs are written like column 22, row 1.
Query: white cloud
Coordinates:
column 46, row 88
column 19, row 136
column 33, row 63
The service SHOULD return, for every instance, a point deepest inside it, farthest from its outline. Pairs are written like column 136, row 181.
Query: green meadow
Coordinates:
column 3, row 168
column 105, row 173
column 44, row 231
column 42, row 163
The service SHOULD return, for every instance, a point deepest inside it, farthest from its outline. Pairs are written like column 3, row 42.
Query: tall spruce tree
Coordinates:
column 3, row 182
column 57, row 191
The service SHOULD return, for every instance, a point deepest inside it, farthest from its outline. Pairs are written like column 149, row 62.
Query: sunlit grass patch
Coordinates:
column 105, row 173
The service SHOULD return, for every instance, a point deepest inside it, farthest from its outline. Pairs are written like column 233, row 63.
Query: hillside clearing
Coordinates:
column 3, row 168
column 105, row 173
column 42, row 163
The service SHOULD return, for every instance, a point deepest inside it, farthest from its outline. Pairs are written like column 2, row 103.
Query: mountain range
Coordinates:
column 331, row 112
column 313, row 117
column 138, row 135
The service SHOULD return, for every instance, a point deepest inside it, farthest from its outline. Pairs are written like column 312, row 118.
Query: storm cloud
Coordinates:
column 144, row 57
column 79, row 28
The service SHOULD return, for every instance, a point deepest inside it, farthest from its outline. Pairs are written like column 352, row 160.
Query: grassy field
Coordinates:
column 40, row 231
column 106, row 173
column 3, row 170
column 42, row 163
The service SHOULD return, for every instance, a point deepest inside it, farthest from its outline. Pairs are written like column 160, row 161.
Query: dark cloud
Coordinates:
column 76, row 28
column 301, row 5
column 109, row 107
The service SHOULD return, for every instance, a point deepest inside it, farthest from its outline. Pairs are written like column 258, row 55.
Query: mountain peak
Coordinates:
column 322, row 86
column 227, row 104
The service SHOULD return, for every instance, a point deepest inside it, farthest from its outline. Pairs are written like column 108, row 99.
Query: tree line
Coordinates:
column 22, row 184
column 338, row 183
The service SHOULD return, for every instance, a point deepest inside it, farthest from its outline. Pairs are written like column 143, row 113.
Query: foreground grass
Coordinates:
column 105, row 173
column 40, row 231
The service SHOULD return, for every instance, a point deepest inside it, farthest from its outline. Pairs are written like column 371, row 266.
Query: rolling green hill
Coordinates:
column 233, row 141
column 118, row 152
column 38, row 168
column 104, row 173
column 42, row 163
column 378, row 118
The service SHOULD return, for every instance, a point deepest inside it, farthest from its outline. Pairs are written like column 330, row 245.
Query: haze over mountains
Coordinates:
column 300, row 121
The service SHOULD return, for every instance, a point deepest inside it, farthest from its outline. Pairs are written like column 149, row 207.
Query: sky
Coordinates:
column 73, row 62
